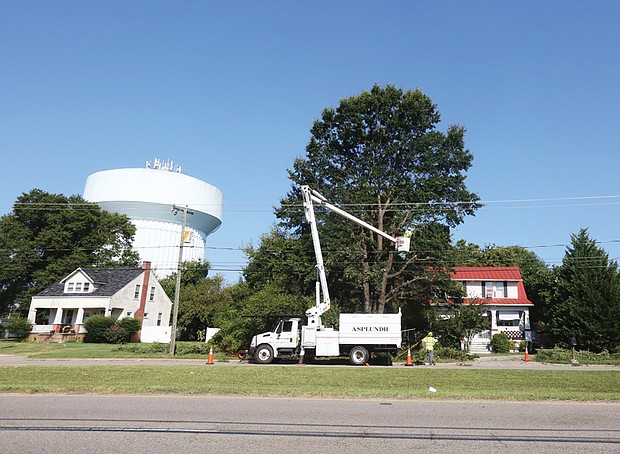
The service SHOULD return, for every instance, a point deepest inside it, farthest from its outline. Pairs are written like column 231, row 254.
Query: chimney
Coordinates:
column 145, row 288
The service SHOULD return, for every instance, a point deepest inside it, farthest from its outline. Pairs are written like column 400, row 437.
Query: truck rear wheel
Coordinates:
column 263, row 354
column 359, row 356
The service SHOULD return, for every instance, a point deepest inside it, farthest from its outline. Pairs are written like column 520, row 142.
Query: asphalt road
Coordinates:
column 188, row 424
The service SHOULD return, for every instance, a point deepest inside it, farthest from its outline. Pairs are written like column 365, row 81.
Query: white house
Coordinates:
column 508, row 308
column 113, row 292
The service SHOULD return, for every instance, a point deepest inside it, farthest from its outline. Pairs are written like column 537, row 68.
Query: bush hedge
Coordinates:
column 19, row 327
column 440, row 354
column 501, row 343
column 562, row 355
column 102, row 329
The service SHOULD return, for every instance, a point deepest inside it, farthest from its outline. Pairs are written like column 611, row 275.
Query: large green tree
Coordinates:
column 585, row 302
column 47, row 236
column 280, row 260
column 201, row 298
column 380, row 156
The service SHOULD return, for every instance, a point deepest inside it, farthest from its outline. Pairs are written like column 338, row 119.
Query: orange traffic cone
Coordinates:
column 409, row 362
column 210, row 357
column 527, row 356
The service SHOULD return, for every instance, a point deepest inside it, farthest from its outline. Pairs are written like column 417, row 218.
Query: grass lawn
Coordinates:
column 293, row 381
column 316, row 381
column 78, row 350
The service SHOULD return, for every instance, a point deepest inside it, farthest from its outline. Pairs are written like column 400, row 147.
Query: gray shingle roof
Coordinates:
column 107, row 280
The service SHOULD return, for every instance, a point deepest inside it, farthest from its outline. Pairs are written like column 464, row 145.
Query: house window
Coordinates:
column 78, row 287
column 508, row 318
column 70, row 287
column 159, row 319
column 488, row 289
column 128, row 313
column 152, row 294
column 136, row 293
column 146, row 315
column 86, row 286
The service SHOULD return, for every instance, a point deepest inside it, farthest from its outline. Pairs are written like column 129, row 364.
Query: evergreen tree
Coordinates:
column 586, row 300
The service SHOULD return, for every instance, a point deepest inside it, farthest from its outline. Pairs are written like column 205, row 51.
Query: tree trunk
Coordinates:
column 365, row 280
column 382, row 296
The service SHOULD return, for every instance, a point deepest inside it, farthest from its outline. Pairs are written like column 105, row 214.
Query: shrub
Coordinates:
column 234, row 335
column 155, row 348
column 192, row 348
column 500, row 343
column 101, row 329
column 97, row 327
column 130, row 325
column 117, row 335
column 453, row 354
column 19, row 327
column 562, row 355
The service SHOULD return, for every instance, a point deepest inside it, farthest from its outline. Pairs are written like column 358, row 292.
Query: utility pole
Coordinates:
column 175, row 310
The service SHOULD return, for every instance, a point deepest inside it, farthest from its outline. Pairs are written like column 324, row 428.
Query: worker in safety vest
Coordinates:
column 429, row 343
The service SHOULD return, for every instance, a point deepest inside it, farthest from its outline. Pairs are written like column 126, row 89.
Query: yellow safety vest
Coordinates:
column 429, row 343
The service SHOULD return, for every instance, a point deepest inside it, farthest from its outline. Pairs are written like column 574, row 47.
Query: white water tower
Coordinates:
column 147, row 196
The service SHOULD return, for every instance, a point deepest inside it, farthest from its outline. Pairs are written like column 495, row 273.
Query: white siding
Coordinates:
column 160, row 304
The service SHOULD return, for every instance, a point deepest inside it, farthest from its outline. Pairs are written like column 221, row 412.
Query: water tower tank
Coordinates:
column 147, row 196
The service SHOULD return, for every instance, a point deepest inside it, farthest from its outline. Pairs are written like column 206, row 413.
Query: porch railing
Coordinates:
column 42, row 329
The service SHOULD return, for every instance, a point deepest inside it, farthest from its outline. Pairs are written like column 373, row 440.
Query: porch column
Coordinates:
column 527, row 320
column 79, row 319
column 32, row 315
column 493, row 322
column 58, row 320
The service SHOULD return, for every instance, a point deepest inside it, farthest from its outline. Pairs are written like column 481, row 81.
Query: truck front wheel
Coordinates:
column 263, row 354
column 359, row 356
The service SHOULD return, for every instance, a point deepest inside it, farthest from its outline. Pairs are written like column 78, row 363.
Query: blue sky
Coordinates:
column 229, row 90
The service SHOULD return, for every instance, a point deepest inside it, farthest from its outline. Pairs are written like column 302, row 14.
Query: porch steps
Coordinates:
column 479, row 346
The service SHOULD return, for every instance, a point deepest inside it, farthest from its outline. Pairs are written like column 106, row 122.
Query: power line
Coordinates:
column 254, row 207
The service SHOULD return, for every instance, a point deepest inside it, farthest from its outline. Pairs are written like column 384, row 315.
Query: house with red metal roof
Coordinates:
column 507, row 306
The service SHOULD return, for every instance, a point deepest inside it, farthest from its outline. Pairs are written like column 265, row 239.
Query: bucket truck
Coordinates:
column 359, row 334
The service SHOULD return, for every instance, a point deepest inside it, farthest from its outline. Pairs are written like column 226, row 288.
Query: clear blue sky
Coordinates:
column 229, row 90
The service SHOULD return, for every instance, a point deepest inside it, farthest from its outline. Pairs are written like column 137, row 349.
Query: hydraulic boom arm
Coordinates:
column 310, row 197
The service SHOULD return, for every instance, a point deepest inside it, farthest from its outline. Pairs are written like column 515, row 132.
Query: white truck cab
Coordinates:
column 282, row 342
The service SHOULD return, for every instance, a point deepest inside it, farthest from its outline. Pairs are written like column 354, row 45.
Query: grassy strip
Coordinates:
column 81, row 350
column 564, row 356
column 393, row 383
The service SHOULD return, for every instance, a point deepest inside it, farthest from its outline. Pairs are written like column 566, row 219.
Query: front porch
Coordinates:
column 60, row 324
column 56, row 333
column 481, row 342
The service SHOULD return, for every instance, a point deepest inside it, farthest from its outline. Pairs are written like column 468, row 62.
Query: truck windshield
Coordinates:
column 278, row 328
